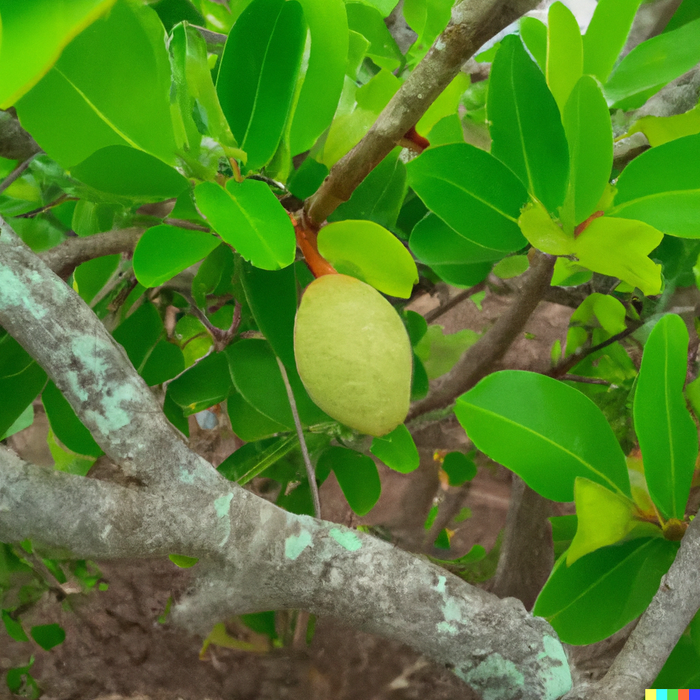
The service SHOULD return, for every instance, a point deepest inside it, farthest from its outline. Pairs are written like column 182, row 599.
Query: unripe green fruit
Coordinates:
column 353, row 354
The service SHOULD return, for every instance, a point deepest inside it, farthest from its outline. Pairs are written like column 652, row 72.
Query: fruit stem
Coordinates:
column 307, row 241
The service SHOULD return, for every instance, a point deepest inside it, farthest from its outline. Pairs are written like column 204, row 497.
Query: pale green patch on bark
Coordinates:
column 450, row 609
column 223, row 504
column 294, row 545
column 346, row 539
column 14, row 291
column 495, row 666
column 558, row 679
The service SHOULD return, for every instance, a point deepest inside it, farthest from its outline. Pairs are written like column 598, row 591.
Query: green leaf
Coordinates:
column 589, row 134
column 349, row 127
column 368, row 21
column 666, row 432
column 564, row 53
column 110, row 87
column 357, row 50
column 164, row 251
column 195, row 89
column 48, row 636
column 254, row 458
column 250, row 218
column 247, row 422
column 526, row 130
column 512, row 266
column 90, row 277
column 682, row 667
column 606, row 35
column 21, row 379
column 361, row 249
column 164, row 362
column 534, row 36
column 545, row 431
column 419, row 381
column 447, row 103
column 619, row 248
column 440, row 352
column 182, row 561
column 379, row 196
column 258, row 74
column 652, row 64
column 462, row 276
column 215, row 271
column 427, row 18
column 14, row 627
column 472, row 193
column 416, row 325
column 130, row 173
column 324, row 76
column 34, row 33
column 25, row 419
column 609, row 311
column 604, row 518
column 308, row 178
column 397, row 450
column 272, row 297
column 662, row 188
column 139, row 333
column 433, row 242
column 66, row 425
column 459, row 468
column 603, row 591
column 256, row 375
column 357, row 475
column 384, row 6
column 688, row 11
column 203, row 385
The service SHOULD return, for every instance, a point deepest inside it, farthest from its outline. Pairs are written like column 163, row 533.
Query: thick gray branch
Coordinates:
column 473, row 23
column 59, row 330
column 66, row 256
column 15, row 142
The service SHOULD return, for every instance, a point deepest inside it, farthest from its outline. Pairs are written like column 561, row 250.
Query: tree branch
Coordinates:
column 480, row 357
column 253, row 555
column 15, row 142
column 473, row 23
column 66, row 256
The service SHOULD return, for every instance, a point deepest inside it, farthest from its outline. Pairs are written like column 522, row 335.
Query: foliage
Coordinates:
column 144, row 124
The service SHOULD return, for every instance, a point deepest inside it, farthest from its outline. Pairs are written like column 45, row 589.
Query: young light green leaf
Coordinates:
column 379, row 196
column 397, row 450
column 445, row 105
column 620, row 248
column 539, row 229
column 427, row 18
column 132, row 173
column 357, row 475
column 545, row 431
column 472, row 192
column 110, row 87
column 66, row 425
column 258, row 74
column 34, row 33
column 600, row 593
column 589, row 134
column 652, row 64
column 250, row 218
column 662, row 188
column 512, row 266
column 606, row 35
column 666, row 432
column 433, row 242
column 534, row 36
column 164, row 251
column 324, row 76
column 564, row 53
column 361, row 248
column 368, row 21
column 609, row 311
column 526, row 130
column 660, row 130
column 384, row 6
column 604, row 518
